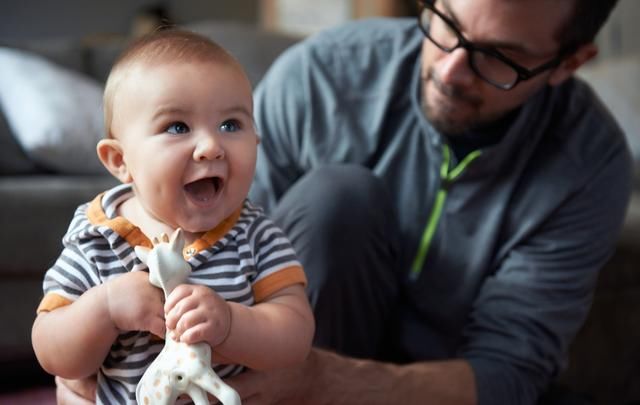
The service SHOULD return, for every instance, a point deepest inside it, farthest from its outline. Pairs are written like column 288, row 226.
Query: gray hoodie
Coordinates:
column 502, row 250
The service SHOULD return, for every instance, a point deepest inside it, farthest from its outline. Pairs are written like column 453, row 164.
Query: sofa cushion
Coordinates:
column 254, row 47
column 101, row 55
column 13, row 160
column 68, row 53
column 36, row 212
column 54, row 113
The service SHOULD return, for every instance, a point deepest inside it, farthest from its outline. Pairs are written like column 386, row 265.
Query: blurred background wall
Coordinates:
column 30, row 19
column 21, row 19
column 621, row 34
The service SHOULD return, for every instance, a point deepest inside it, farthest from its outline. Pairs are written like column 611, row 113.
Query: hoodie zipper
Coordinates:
column 447, row 177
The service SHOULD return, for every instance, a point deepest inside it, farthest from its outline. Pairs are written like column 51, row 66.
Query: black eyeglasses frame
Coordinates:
column 521, row 72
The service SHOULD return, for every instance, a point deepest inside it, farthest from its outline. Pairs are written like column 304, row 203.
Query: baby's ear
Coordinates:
column 142, row 253
column 112, row 157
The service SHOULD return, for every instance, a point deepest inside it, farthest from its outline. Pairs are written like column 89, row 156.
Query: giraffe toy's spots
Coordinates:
column 179, row 368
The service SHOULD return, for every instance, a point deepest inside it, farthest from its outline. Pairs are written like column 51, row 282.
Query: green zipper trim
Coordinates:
column 446, row 177
column 457, row 171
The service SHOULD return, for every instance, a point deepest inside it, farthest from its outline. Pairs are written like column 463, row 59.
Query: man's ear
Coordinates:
column 572, row 62
column 112, row 157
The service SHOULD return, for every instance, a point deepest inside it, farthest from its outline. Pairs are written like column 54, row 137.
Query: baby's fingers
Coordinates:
column 178, row 294
column 179, row 313
column 194, row 334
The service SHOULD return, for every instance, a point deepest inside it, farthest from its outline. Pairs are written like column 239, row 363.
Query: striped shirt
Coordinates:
column 245, row 259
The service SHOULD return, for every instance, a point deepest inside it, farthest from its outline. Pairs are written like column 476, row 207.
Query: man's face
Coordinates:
column 455, row 99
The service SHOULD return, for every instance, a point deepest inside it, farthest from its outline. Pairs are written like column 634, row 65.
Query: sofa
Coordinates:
column 44, row 175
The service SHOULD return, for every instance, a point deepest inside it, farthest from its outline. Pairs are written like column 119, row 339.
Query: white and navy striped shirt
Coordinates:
column 246, row 258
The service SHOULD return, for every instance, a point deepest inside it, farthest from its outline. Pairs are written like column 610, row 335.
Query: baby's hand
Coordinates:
column 196, row 313
column 135, row 304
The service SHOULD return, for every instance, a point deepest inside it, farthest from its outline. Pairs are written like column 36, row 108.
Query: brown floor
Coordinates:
column 33, row 396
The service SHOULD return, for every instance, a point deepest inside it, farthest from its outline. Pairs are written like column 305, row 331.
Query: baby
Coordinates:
column 180, row 138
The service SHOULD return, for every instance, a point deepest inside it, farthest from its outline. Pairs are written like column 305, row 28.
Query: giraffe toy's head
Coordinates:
column 167, row 266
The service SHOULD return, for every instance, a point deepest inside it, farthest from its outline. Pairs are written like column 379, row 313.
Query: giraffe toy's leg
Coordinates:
column 197, row 395
column 211, row 383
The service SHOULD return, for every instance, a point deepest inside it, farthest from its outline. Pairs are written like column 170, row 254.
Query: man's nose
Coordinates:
column 208, row 147
column 453, row 68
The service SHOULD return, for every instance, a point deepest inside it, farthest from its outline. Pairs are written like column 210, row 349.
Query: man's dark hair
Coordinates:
column 584, row 23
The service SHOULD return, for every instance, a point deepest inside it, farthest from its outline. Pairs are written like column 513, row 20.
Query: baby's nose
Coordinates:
column 208, row 148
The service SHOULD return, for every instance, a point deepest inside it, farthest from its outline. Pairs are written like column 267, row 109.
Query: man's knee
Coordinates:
column 340, row 221
column 335, row 199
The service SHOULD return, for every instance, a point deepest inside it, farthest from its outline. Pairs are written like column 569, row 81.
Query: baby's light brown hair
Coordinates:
column 165, row 46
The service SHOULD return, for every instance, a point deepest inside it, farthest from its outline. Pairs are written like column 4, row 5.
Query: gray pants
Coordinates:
column 340, row 221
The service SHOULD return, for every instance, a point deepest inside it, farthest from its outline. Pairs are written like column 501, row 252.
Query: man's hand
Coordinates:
column 328, row 378
column 283, row 386
column 76, row 392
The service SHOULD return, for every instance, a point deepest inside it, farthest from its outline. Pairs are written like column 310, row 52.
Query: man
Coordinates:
column 452, row 192
column 469, row 258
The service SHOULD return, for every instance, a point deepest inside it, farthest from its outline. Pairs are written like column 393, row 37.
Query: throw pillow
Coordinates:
column 54, row 113
column 13, row 160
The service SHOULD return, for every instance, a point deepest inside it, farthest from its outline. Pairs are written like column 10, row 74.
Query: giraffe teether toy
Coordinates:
column 179, row 368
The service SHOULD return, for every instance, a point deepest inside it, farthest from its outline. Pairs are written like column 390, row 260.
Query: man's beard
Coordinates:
column 448, row 124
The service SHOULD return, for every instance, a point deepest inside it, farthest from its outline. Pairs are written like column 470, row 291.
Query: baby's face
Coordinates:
column 188, row 140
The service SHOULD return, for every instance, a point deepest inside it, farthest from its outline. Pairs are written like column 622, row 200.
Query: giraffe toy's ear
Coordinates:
column 142, row 253
column 177, row 241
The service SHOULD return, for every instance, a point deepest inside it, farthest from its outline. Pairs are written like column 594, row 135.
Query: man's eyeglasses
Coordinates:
column 489, row 64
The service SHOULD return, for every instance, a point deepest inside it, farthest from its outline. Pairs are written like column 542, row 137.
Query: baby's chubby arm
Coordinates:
column 274, row 333
column 73, row 341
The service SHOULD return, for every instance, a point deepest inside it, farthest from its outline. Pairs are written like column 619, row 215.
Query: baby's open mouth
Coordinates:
column 204, row 190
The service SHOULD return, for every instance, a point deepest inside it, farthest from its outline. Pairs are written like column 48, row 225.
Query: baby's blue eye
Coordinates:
column 230, row 126
column 178, row 128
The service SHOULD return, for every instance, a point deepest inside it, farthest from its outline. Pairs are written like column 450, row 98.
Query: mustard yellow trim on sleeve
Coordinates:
column 277, row 281
column 52, row 301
